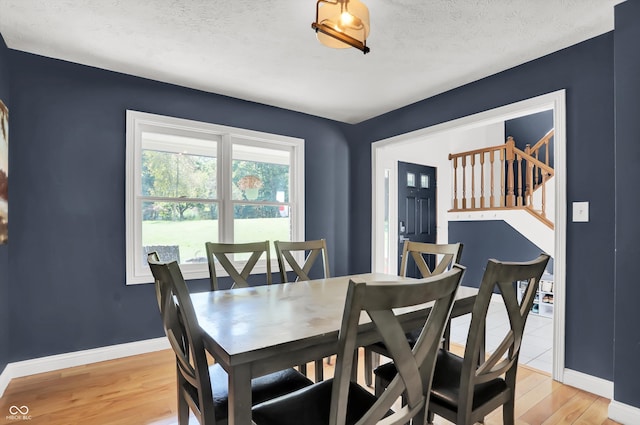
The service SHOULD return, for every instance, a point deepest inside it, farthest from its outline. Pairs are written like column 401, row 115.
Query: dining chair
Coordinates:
column 203, row 389
column 153, row 256
column 224, row 254
column 465, row 389
column 164, row 252
column 341, row 401
column 441, row 257
column 312, row 251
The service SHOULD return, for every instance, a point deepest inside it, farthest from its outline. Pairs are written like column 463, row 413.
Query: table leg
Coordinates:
column 319, row 370
column 240, row 395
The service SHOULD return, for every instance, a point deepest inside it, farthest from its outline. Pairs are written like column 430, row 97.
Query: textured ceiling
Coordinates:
column 265, row 51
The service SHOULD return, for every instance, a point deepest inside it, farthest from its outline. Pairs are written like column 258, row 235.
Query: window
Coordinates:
column 424, row 181
column 411, row 180
column 190, row 182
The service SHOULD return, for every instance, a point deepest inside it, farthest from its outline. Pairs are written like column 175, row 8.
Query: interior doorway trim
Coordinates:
column 555, row 101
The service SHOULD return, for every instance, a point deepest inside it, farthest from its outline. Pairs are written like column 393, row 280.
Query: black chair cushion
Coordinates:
column 446, row 383
column 263, row 388
column 445, row 389
column 386, row 371
column 412, row 338
column 310, row 406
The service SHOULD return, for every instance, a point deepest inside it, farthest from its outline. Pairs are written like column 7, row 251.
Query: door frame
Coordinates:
column 555, row 101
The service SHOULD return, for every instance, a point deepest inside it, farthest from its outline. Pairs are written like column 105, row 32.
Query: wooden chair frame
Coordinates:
column 196, row 390
column 314, row 248
column 415, row 365
column 504, row 360
column 450, row 253
column 153, row 257
column 183, row 333
column 222, row 252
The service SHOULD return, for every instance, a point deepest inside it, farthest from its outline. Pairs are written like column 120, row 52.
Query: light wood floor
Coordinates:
column 141, row 390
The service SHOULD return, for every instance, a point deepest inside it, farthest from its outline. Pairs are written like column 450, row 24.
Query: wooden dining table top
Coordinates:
column 247, row 321
column 254, row 331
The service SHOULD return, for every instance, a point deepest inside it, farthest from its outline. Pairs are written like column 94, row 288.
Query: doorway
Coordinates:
column 441, row 140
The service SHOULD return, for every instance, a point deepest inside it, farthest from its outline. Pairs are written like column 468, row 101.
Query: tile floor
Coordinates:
column 537, row 344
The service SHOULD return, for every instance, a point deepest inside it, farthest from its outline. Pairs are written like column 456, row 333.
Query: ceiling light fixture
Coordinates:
column 342, row 24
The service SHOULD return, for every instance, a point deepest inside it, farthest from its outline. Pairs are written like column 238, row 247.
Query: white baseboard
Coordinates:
column 589, row 383
column 4, row 380
column 580, row 380
column 624, row 413
column 78, row 358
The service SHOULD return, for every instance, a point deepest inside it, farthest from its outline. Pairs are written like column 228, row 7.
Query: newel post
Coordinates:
column 529, row 178
column 510, row 156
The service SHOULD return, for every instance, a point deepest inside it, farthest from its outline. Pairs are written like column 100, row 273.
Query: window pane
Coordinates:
column 182, row 228
column 411, row 180
column 183, row 190
column 259, row 223
column 424, row 181
column 260, row 174
column 173, row 174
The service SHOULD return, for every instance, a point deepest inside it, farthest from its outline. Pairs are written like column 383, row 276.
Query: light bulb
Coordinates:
column 346, row 19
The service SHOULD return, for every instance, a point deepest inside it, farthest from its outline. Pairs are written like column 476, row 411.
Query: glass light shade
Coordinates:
column 350, row 17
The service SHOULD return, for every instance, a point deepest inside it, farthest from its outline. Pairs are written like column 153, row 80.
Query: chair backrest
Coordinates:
column 312, row 249
column 415, row 367
column 164, row 252
column 504, row 360
column 182, row 330
column 222, row 252
column 155, row 258
column 420, row 252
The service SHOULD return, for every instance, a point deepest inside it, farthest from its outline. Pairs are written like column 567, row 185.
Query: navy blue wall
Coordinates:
column 586, row 72
column 67, row 193
column 627, row 296
column 4, row 249
column 67, row 184
column 489, row 239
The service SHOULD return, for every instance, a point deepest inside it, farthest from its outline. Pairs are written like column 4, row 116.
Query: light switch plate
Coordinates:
column 580, row 212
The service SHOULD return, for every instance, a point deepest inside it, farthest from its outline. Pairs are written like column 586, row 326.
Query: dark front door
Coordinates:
column 416, row 209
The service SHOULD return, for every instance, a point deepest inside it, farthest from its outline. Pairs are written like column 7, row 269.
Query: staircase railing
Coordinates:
column 502, row 177
column 540, row 149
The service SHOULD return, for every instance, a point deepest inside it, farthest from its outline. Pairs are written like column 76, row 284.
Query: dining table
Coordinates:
column 258, row 330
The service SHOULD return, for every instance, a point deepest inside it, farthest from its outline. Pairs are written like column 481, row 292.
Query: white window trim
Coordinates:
column 136, row 121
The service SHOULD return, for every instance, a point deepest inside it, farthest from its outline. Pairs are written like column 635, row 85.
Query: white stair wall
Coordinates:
column 550, row 198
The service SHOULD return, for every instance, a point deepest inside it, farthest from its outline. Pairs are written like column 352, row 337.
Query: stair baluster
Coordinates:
column 517, row 188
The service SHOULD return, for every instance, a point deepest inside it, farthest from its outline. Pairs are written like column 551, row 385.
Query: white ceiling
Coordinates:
column 265, row 50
